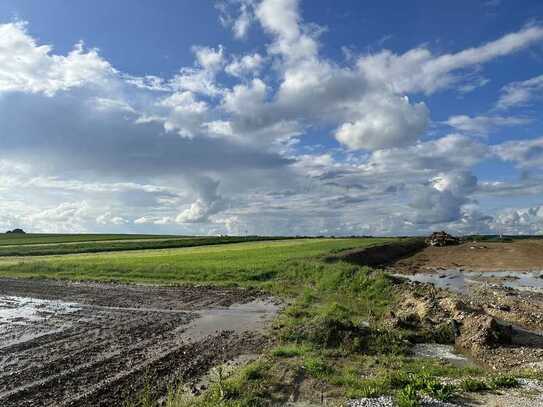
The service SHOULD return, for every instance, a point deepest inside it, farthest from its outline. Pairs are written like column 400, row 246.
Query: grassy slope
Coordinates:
column 234, row 263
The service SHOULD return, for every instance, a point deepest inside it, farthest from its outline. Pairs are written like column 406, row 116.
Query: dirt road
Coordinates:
column 70, row 344
column 520, row 255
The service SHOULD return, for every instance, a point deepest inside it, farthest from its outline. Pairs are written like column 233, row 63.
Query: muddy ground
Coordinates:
column 85, row 344
column 481, row 301
column 520, row 255
column 485, row 298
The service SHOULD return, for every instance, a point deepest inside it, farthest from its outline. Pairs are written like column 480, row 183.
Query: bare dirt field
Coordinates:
column 520, row 255
column 85, row 344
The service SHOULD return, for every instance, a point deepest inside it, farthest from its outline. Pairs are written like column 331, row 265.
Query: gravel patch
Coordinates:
column 387, row 401
column 382, row 401
column 430, row 402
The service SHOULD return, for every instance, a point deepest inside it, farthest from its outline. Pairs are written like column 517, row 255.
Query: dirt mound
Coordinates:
column 443, row 317
column 441, row 239
column 480, row 330
column 380, row 255
column 428, row 314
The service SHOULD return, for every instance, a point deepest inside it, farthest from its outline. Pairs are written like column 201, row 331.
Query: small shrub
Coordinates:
column 396, row 380
column 422, row 382
column 503, row 382
column 331, row 327
column 317, row 367
column 407, row 397
column 254, row 371
column 365, row 390
column 218, row 379
column 308, row 297
column 440, row 391
column 387, row 342
column 289, row 351
column 444, row 333
column 473, row 385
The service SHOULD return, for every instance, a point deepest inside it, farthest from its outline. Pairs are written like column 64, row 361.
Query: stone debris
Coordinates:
column 430, row 402
column 387, row 401
column 382, row 401
column 441, row 239
column 478, row 331
column 529, row 394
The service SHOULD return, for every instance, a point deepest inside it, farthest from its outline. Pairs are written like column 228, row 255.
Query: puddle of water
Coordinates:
column 23, row 310
column 252, row 316
column 443, row 352
column 461, row 281
column 528, row 280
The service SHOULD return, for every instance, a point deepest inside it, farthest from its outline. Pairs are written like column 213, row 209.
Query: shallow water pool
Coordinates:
column 462, row 281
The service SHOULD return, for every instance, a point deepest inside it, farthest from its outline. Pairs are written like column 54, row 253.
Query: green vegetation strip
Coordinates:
column 49, row 238
column 262, row 263
column 110, row 245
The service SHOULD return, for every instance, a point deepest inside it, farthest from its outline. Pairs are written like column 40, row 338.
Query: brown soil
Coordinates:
column 520, row 255
column 478, row 325
column 381, row 254
column 98, row 344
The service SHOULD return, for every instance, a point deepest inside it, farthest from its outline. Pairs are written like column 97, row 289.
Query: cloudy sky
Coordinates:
column 271, row 116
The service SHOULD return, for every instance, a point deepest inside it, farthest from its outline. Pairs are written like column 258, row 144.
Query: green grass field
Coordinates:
column 46, row 238
column 70, row 244
column 233, row 263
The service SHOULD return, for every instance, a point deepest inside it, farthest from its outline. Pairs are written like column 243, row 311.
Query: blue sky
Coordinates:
column 271, row 116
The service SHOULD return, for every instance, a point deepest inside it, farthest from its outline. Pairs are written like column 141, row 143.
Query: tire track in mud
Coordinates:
column 128, row 296
column 102, row 351
column 52, row 357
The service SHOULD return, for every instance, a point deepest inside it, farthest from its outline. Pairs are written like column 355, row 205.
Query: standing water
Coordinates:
column 462, row 281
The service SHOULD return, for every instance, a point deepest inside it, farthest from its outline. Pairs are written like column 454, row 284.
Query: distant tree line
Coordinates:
column 16, row 231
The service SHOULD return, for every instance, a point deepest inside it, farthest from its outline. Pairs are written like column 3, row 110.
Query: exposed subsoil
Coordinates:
column 520, row 255
column 380, row 255
column 495, row 321
column 84, row 344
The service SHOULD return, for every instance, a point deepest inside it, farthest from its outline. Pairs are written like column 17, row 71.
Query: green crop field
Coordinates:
column 233, row 263
column 49, row 238
column 70, row 244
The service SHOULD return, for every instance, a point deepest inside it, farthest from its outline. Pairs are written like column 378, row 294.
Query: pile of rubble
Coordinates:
column 442, row 239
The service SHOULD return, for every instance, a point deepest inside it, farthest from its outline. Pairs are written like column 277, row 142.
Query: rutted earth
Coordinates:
column 486, row 300
column 86, row 344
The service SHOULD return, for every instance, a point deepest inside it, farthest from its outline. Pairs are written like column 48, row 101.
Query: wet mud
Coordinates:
column 486, row 300
column 466, row 282
column 75, row 344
